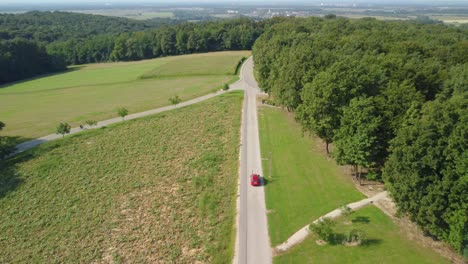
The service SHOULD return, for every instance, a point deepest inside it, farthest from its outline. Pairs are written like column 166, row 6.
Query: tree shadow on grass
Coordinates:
column 71, row 69
column 338, row 238
column 361, row 219
column 9, row 175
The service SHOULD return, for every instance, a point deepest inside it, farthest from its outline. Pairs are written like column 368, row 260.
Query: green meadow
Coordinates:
column 305, row 185
column 33, row 108
column 158, row 189
column 386, row 244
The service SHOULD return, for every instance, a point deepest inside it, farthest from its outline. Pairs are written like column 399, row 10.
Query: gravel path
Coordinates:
column 32, row 143
column 300, row 235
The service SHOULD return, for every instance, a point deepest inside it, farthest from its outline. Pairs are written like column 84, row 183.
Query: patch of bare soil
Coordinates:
column 321, row 242
column 352, row 244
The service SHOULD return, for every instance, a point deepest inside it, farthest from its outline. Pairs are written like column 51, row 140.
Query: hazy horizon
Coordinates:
column 98, row 2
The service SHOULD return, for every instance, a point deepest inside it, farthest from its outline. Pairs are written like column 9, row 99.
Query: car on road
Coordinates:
column 255, row 180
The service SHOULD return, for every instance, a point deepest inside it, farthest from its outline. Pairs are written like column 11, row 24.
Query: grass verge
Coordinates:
column 156, row 189
column 304, row 185
column 386, row 244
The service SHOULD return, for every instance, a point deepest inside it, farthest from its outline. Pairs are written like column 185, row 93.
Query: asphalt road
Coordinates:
column 253, row 243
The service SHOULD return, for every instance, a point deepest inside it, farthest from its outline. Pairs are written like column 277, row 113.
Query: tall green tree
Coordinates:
column 357, row 141
column 426, row 172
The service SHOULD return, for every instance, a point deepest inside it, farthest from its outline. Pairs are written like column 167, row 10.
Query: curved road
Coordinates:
column 252, row 241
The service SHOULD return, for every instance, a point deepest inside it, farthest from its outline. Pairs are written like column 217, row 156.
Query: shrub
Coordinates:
column 226, row 87
column 91, row 122
column 122, row 112
column 323, row 229
column 63, row 128
column 175, row 100
column 355, row 237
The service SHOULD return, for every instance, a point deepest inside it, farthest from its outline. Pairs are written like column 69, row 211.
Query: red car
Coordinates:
column 255, row 180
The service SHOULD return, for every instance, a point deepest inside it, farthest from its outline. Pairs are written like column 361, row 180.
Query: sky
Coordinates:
column 225, row 1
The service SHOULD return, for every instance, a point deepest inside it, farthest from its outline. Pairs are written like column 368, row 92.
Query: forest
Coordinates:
column 391, row 98
column 42, row 42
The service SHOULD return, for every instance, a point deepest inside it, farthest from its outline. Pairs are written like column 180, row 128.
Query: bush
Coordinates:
column 355, row 237
column 225, row 87
column 175, row 100
column 323, row 229
column 122, row 112
column 63, row 128
column 91, row 122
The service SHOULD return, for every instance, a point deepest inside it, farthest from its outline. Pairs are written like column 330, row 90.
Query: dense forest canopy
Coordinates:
column 391, row 97
column 47, row 27
column 57, row 39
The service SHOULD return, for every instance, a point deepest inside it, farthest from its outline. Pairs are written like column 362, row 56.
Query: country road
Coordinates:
column 252, row 243
column 252, row 240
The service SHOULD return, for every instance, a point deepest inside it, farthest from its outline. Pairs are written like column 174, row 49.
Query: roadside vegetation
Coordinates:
column 382, row 242
column 157, row 189
column 392, row 99
column 304, row 185
column 34, row 108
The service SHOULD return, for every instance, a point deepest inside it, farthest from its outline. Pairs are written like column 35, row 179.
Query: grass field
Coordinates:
column 305, row 185
column 386, row 244
column 160, row 189
column 33, row 108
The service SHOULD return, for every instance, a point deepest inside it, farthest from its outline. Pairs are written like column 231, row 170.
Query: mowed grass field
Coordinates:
column 34, row 108
column 386, row 244
column 160, row 189
column 305, row 185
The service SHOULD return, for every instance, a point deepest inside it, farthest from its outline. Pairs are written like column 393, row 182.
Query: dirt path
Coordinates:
column 32, row 143
column 300, row 235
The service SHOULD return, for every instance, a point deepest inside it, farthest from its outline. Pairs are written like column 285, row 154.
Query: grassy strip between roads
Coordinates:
column 160, row 189
column 305, row 185
column 385, row 244
column 34, row 108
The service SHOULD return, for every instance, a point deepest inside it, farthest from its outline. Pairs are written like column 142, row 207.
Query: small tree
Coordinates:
column 122, row 112
column 175, row 100
column 355, row 237
column 345, row 210
column 225, row 87
column 323, row 228
column 2, row 125
column 63, row 128
column 91, row 122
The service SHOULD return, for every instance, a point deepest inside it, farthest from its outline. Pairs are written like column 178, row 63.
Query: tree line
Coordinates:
column 390, row 96
column 58, row 39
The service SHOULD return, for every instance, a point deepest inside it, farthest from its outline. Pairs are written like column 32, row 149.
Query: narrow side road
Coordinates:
column 32, row 143
column 300, row 235
column 252, row 242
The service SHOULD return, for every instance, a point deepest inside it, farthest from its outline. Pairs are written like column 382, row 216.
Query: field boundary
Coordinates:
column 35, row 142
